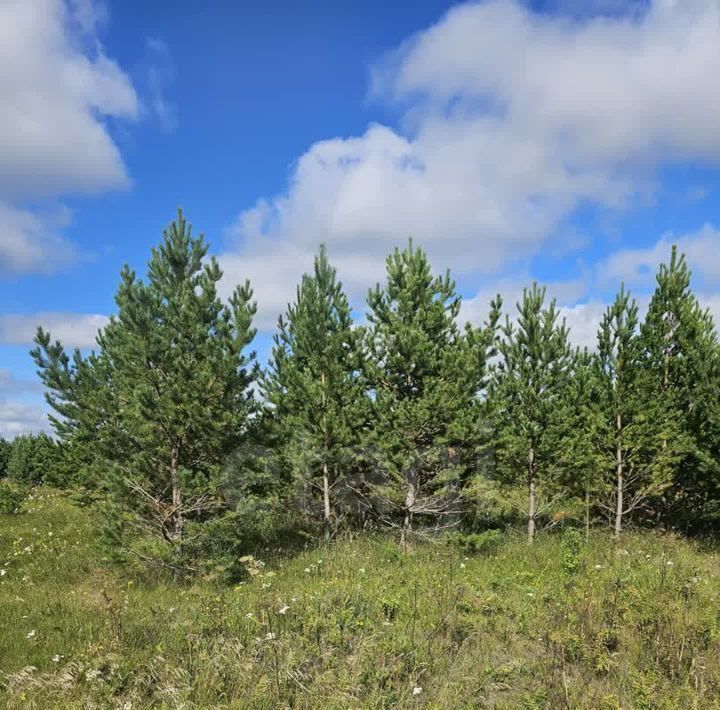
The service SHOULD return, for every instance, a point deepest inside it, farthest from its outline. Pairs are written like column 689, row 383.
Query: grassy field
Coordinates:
column 357, row 623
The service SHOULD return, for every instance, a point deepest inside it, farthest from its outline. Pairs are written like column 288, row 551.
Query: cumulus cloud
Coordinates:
column 19, row 418
column 55, row 95
column 637, row 267
column 72, row 329
column 32, row 242
column 510, row 120
column 59, row 92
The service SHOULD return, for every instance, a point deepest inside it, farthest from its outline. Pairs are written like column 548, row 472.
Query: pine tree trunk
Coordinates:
column 408, row 519
column 620, row 480
column 587, row 513
column 177, row 533
column 532, row 496
column 326, row 501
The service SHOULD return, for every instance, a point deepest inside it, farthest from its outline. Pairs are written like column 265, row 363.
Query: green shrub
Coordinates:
column 478, row 542
column 32, row 458
column 11, row 498
column 5, row 449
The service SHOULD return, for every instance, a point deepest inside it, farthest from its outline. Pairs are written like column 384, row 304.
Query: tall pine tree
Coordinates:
column 314, row 383
column 167, row 396
column 633, row 424
column 425, row 375
column 528, row 400
column 681, row 350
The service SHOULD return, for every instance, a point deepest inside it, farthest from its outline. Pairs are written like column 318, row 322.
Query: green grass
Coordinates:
column 564, row 624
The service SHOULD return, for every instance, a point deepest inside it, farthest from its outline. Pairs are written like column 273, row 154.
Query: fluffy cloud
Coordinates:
column 72, row 329
column 20, row 418
column 510, row 121
column 58, row 91
column 637, row 267
column 32, row 242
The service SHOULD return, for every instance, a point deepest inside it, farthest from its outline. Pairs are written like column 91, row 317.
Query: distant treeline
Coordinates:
column 411, row 421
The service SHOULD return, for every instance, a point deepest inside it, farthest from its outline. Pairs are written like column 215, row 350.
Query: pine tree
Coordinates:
column 32, row 458
column 681, row 350
column 166, row 397
column 633, row 423
column 581, row 474
column 528, row 399
column 425, row 376
column 314, row 382
column 5, row 449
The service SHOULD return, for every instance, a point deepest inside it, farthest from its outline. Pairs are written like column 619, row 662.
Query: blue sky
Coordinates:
column 571, row 142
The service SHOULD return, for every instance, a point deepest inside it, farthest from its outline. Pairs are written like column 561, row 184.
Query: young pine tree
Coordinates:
column 528, row 399
column 581, row 461
column 425, row 376
column 681, row 350
column 5, row 449
column 314, row 382
column 166, row 397
column 633, row 424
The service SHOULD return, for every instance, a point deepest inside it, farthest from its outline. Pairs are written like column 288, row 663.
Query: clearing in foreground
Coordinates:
column 358, row 624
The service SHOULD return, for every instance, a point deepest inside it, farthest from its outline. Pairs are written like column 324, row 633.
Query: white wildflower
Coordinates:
column 462, row 565
column 417, row 690
column 31, row 634
column 3, row 572
column 598, row 566
column 307, row 569
column 249, row 615
column 669, row 563
column 56, row 658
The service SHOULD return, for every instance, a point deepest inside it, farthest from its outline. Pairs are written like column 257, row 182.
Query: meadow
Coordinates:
column 358, row 623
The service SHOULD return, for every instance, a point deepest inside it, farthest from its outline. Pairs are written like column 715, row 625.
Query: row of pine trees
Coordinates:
column 406, row 421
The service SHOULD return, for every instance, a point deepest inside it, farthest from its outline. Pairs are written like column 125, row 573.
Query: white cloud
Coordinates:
column 19, row 418
column 59, row 93
column 637, row 267
column 55, row 96
column 31, row 242
column 72, row 329
column 511, row 120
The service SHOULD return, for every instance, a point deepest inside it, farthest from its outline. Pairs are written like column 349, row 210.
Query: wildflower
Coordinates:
column 669, row 563
column 462, row 565
column 31, row 634
column 249, row 615
column 283, row 610
column 270, row 636
column 56, row 658
column 417, row 690
column 3, row 572
column 598, row 566
column 307, row 569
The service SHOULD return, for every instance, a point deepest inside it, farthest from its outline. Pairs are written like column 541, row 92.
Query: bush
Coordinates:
column 32, row 458
column 5, row 449
column 11, row 498
column 478, row 542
